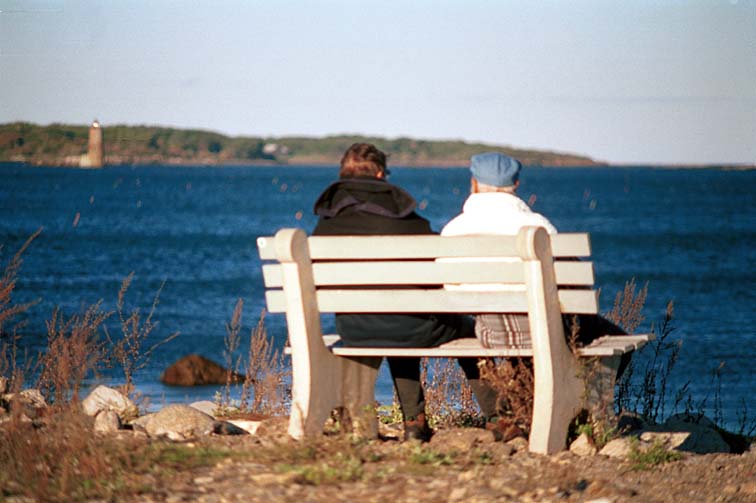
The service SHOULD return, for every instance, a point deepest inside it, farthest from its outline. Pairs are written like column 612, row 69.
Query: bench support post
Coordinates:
column 316, row 373
column 600, row 376
column 558, row 389
column 358, row 395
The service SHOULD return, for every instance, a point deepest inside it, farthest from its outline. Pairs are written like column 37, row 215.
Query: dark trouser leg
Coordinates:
column 405, row 373
column 485, row 395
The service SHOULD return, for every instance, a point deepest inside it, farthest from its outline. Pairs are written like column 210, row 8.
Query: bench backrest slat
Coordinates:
column 406, row 274
column 418, row 300
column 408, row 247
column 428, row 273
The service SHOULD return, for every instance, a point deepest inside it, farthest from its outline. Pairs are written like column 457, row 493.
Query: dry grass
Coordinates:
column 231, row 344
column 514, row 383
column 263, row 387
column 10, row 371
column 60, row 459
column 627, row 311
column 128, row 350
column 57, row 456
column 74, row 352
column 644, row 386
column 9, row 309
column 448, row 397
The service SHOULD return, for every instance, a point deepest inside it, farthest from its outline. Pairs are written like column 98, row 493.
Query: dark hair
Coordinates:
column 362, row 159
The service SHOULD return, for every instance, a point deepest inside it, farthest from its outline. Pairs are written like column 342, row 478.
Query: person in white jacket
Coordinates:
column 494, row 208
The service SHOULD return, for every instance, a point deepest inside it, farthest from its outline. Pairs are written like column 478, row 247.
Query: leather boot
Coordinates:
column 417, row 429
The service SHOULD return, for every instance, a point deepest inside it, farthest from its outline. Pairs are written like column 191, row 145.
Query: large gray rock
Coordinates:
column 179, row 422
column 105, row 398
column 583, row 446
column 206, row 406
column 696, row 438
column 682, row 422
column 687, row 433
column 460, row 439
column 31, row 402
column 617, row 448
column 520, row 444
column 140, row 423
column 107, row 421
column 34, row 398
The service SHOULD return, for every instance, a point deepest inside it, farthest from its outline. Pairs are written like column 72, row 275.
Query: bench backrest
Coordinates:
column 393, row 274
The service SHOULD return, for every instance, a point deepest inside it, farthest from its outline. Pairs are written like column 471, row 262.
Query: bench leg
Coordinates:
column 347, row 382
column 316, row 391
column 601, row 376
column 557, row 399
column 358, row 395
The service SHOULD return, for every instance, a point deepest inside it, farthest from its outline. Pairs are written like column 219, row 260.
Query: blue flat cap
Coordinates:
column 493, row 168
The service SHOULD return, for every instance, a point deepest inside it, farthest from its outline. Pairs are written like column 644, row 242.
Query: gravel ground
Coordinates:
column 457, row 466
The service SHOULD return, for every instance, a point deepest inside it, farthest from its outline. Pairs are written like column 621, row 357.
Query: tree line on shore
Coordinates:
column 64, row 144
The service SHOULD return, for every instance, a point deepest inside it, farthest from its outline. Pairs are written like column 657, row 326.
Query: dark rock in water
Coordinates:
column 196, row 370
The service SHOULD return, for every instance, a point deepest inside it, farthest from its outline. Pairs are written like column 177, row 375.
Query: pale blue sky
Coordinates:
column 625, row 82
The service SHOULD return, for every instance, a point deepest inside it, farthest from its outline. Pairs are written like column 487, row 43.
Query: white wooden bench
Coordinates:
column 401, row 274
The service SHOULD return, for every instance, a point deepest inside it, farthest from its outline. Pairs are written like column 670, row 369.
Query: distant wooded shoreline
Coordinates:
column 64, row 145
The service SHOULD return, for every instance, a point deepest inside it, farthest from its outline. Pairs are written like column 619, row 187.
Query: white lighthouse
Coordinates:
column 94, row 156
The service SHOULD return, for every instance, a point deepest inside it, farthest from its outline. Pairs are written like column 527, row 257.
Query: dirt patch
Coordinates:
column 277, row 469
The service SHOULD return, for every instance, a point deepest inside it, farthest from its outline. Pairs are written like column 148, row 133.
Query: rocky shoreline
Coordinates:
column 685, row 458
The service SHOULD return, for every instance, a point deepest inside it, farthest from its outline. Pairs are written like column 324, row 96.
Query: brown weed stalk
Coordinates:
column 231, row 343
column 448, row 397
column 264, row 387
column 8, row 309
column 649, row 396
column 627, row 311
column 74, row 351
column 53, row 463
column 128, row 351
column 64, row 461
column 11, row 374
column 513, row 381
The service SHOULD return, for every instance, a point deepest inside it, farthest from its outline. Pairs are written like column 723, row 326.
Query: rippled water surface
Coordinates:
column 689, row 233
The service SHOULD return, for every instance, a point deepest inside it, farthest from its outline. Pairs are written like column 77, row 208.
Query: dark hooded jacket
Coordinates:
column 360, row 206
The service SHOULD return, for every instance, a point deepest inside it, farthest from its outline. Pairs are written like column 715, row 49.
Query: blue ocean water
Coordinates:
column 689, row 234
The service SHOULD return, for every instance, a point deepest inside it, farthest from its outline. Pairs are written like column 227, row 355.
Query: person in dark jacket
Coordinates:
column 363, row 202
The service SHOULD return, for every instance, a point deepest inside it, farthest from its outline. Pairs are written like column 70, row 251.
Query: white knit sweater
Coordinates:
column 495, row 213
column 492, row 213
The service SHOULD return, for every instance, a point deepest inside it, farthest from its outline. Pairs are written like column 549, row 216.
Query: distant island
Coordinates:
column 66, row 145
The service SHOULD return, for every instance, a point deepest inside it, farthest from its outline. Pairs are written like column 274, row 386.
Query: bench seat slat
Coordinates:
column 615, row 344
column 471, row 347
column 428, row 273
column 417, row 300
column 386, row 247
